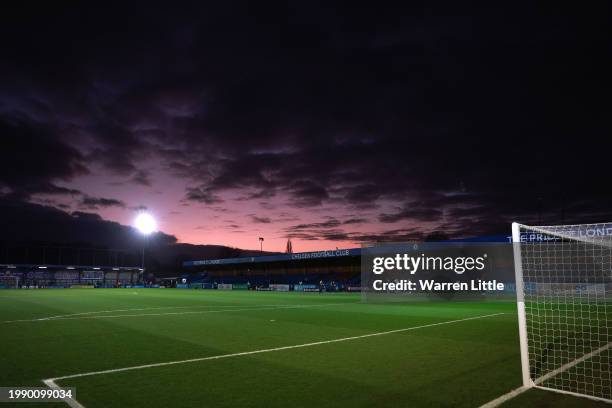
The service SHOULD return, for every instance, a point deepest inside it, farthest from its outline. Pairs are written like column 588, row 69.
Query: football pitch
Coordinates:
column 194, row 348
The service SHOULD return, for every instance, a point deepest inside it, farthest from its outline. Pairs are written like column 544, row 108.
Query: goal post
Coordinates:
column 520, row 304
column 564, row 302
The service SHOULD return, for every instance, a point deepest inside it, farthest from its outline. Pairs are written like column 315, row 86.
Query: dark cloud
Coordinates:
column 97, row 202
column 260, row 220
column 202, row 195
column 267, row 206
column 306, row 193
column 33, row 160
column 263, row 193
column 412, row 214
column 354, row 221
column 141, row 177
column 465, row 118
column 330, row 223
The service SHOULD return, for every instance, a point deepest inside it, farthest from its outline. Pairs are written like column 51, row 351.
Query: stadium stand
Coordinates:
column 65, row 276
column 330, row 270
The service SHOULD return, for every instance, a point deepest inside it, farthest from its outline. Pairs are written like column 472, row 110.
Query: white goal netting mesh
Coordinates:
column 567, row 290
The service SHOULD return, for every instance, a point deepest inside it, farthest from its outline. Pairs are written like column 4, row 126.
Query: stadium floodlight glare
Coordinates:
column 145, row 223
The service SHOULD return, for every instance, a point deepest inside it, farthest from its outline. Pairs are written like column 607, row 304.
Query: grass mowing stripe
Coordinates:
column 81, row 315
column 247, row 353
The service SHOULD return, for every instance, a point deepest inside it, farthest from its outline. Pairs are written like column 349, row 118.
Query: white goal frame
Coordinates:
column 524, row 335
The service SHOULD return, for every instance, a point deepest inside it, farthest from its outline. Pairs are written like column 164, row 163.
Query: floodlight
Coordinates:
column 145, row 223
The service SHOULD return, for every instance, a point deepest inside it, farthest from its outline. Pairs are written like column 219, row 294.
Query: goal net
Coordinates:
column 564, row 293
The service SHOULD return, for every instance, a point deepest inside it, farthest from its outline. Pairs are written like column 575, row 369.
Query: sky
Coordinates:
column 330, row 124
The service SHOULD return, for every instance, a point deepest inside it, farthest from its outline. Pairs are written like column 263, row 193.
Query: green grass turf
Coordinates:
column 461, row 364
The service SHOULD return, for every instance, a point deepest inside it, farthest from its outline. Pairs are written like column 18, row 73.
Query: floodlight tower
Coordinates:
column 146, row 224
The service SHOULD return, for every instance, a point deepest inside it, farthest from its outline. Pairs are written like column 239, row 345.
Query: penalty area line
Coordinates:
column 268, row 350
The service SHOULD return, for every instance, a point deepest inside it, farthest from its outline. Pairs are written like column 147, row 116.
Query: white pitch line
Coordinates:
column 132, row 310
column 70, row 401
column 115, row 310
column 247, row 353
column 106, row 311
column 503, row 398
column 120, row 310
column 274, row 307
